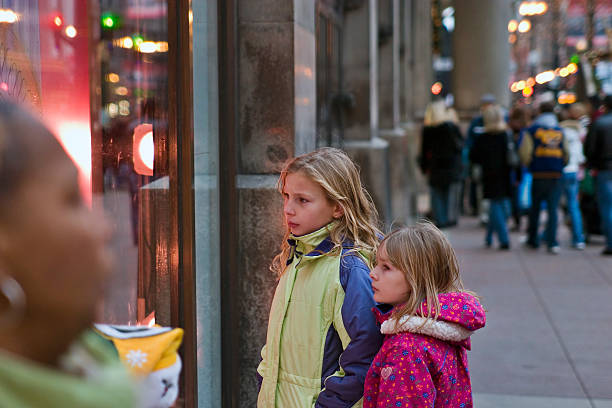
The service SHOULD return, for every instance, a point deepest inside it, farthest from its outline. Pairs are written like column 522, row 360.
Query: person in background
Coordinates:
column 518, row 120
column 574, row 133
column 440, row 161
column 475, row 129
column 544, row 151
column 53, row 265
column 490, row 151
column 598, row 152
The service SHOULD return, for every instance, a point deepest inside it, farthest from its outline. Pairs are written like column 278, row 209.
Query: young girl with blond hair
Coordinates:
column 321, row 336
column 423, row 361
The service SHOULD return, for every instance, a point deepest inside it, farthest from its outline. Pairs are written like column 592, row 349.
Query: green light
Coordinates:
column 575, row 59
column 110, row 20
column 138, row 39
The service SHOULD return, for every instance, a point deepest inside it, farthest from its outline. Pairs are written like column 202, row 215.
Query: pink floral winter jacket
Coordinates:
column 425, row 365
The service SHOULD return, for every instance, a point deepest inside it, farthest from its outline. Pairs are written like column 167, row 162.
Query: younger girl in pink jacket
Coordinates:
column 423, row 361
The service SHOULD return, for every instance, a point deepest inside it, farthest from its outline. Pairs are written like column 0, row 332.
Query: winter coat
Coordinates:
column 574, row 134
column 321, row 335
column 490, row 151
column 598, row 144
column 423, row 362
column 543, row 147
column 441, row 154
column 91, row 376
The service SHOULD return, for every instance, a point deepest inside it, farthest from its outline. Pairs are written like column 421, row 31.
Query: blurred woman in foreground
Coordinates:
column 53, row 264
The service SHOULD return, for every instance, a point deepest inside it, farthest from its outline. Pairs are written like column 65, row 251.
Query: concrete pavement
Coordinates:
column 549, row 329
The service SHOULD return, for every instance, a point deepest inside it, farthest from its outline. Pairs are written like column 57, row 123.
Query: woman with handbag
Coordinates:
column 494, row 152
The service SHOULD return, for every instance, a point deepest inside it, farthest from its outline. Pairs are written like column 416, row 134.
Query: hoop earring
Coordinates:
column 13, row 292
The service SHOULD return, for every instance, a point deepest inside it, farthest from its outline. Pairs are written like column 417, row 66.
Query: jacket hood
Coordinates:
column 572, row 124
column 547, row 119
column 460, row 315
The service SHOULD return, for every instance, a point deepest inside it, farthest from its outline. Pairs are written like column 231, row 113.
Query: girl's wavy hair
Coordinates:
column 338, row 176
column 429, row 264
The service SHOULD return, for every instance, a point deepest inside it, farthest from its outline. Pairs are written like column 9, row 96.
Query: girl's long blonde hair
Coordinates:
column 429, row 264
column 339, row 178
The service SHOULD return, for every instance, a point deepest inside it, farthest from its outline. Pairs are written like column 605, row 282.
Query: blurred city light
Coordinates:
column 122, row 91
column 524, row 26
column 512, row 26
column 544, row 77
column 8, row 16
column 566, row 98
column 572, row 68
column 532, row 8
column 58, row 21
column 112, row 77
column 143, row 149
column 521, row 85
column 71, row 31
column 528, row 91
column 109, row 20
column 563, row 72
column 149, row 47
column 436, row 88
column 530, row 81
column 124, row 42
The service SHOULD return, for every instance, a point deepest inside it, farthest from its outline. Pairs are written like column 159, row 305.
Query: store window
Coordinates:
column 101, row 85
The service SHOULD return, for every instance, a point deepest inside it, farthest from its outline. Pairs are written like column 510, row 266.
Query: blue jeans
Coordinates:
column 499, row 209
column 604, row 199
column 439, row 205
column 570, row 190
column 548, row 191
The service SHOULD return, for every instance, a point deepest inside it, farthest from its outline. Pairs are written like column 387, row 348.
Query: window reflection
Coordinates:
column 133, row 156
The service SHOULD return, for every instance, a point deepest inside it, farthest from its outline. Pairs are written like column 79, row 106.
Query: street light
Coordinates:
column 533, row 8
column 524, row 26
column 512, row 26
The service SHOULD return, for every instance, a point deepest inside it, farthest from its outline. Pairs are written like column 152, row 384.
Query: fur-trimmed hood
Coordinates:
column 460, row 315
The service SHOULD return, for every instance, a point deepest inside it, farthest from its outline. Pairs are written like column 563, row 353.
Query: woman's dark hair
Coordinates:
column 16, row 141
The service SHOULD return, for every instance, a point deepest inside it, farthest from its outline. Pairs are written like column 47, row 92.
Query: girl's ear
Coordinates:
column 338, row 211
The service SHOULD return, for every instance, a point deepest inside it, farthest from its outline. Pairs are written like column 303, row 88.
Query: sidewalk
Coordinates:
column 547, row 342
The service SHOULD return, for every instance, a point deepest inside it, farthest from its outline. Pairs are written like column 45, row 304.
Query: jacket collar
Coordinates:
column 313, row 245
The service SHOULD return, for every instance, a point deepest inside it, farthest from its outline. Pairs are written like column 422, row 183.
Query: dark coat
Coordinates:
column 490, row 150
column 441, row 154
column 598, row 144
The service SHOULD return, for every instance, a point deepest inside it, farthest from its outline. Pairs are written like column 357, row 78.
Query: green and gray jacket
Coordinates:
column 322, row 336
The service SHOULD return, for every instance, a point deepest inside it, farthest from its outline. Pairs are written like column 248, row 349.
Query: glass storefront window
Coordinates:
column 101, row 85
column 131, row 150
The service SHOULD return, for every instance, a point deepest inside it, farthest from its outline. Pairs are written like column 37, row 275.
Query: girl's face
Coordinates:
column 306, row 207
column 388, row 282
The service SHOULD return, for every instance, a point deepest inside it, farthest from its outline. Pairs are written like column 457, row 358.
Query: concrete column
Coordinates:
column 361, row 79
column 481, row 53
column 422, row 73
column 277, row 102
column 391, row 131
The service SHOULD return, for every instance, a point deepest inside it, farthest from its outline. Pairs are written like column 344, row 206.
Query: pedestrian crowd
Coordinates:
column 517, row 164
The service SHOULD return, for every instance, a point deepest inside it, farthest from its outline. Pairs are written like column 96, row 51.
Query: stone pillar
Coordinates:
column 361, row 79
column 421, row 43
column 481, row 53
column 276, row 66
column 391, row 131
column 416, row 76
